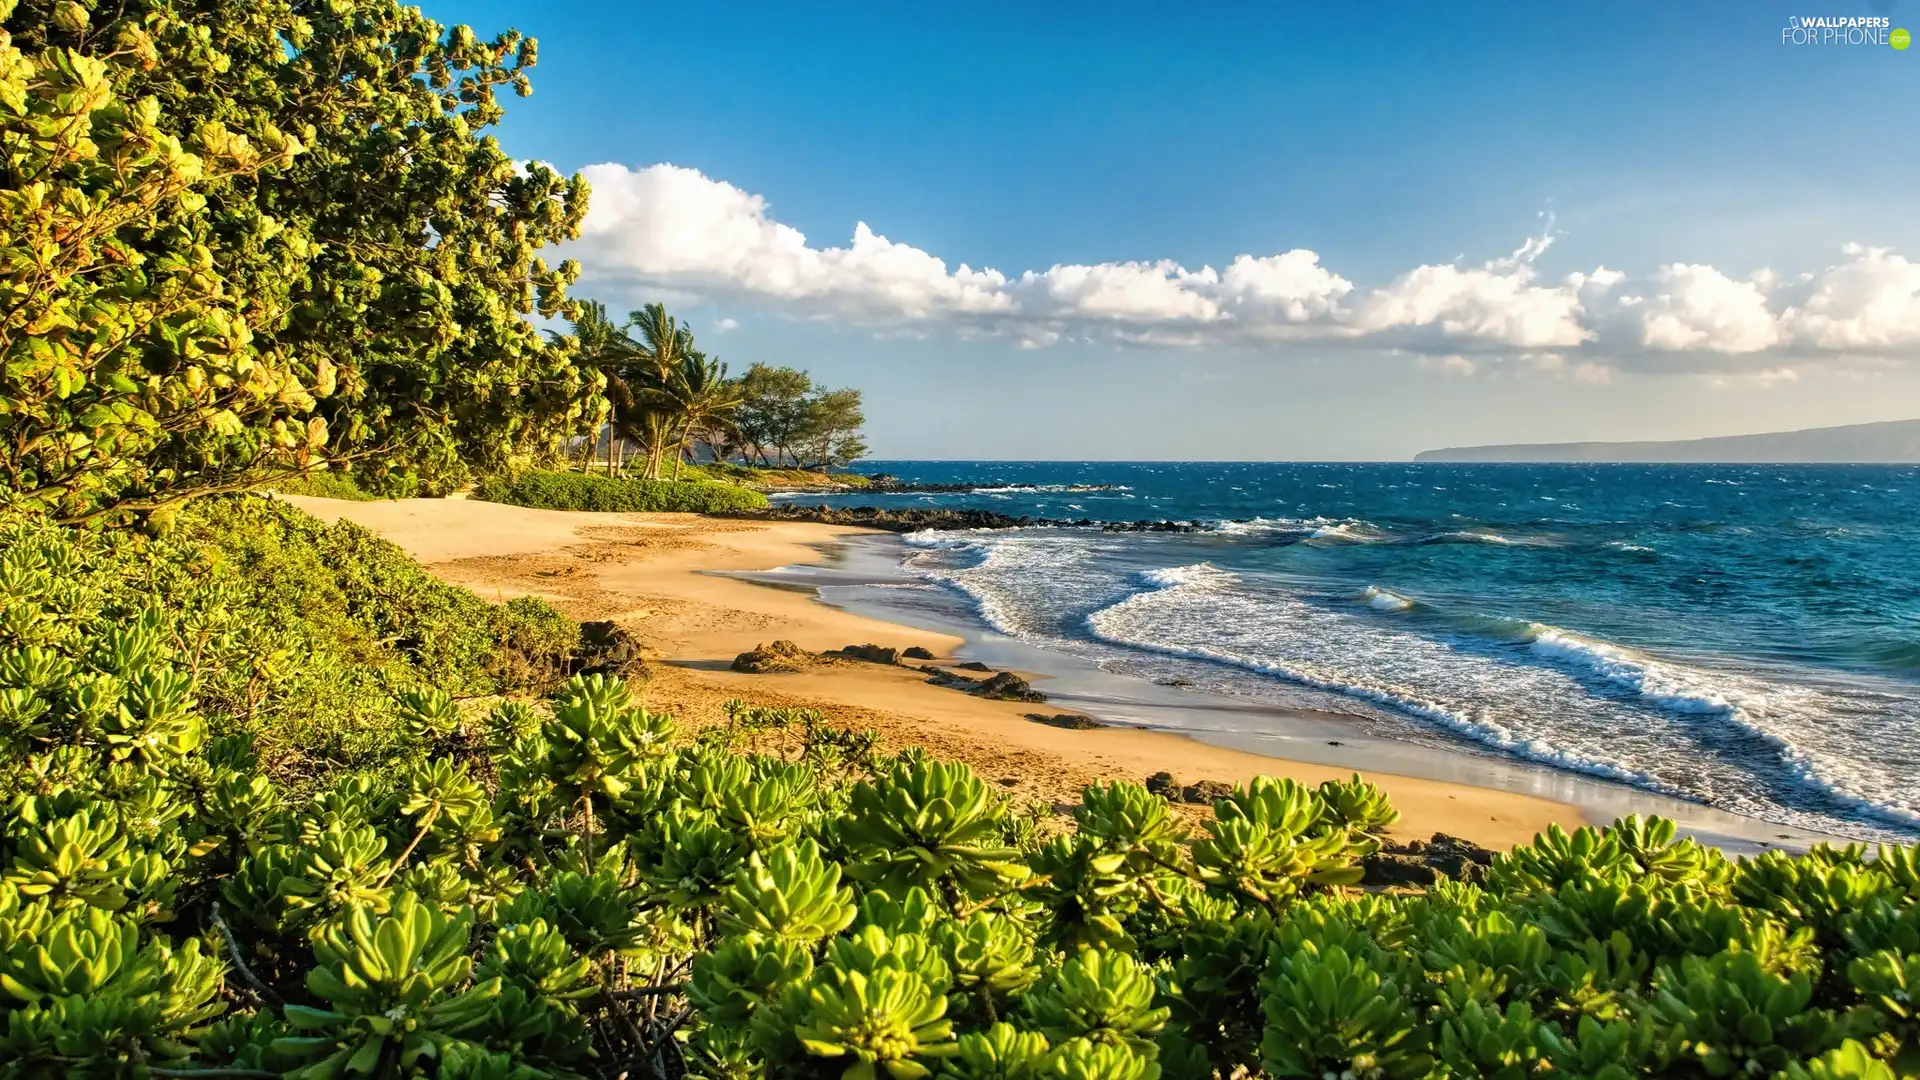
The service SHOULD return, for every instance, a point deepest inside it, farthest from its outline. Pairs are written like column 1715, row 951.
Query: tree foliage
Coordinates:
column 240, row 240
column 784, row 418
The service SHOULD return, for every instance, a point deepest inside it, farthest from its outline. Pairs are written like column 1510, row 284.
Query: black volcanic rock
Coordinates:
column 1425, row 862
column 873, row 654
column 1006, row 686
column 917, row 519
column 607, row 649
column 1070, row 721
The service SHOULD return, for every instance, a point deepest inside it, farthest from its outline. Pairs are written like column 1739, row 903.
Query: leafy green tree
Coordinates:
column 240, row 240
column 783, row 417
column 773, row 411
column 832, row 429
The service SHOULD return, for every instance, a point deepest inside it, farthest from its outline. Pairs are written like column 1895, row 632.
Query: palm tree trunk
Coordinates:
column 680, row 447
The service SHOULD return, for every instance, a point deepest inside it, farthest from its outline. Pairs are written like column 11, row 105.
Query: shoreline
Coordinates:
column 697, row 591
column 1298, row 735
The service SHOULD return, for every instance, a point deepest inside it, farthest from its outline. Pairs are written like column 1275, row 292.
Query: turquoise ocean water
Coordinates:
column 1745, row 636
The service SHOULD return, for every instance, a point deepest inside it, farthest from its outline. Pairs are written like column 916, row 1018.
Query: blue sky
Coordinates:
column 1113, row 151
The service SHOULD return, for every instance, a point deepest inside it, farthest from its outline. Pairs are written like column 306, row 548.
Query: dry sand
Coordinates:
column 651, row 574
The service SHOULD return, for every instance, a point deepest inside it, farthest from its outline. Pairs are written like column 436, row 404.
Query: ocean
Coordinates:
column 1742, row 636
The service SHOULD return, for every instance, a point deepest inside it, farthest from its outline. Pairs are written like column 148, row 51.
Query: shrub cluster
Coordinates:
column 580, row 491
column 516, row 891
column 302, row 634
column 325, row 486
column 765, row 477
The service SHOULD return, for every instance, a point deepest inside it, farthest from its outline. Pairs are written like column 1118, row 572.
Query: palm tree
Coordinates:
column 606, row 348
column 702, row 397
column 663, row 345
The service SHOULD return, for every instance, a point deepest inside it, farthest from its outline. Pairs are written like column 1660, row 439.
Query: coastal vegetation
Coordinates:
column 275, row 802
column 245, row 244
column 279, row 804
column 550, row 490
column 668, row 399
column 243, row 241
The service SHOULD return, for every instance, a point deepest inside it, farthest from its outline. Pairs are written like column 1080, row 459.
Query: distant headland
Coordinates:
column 1893, row 441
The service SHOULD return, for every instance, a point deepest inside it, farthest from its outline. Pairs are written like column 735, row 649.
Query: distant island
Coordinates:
column 1892, row 441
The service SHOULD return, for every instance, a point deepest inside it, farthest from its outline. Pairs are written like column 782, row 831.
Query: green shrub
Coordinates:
column 580, row 491
column 765, row 477
column 326, row 486
column 299, row 634
column 571, row 890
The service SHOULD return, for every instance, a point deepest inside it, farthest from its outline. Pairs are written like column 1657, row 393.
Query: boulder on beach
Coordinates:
column 916, row 652
column 973, row 665
column 1070, row 721
column 1426, row 862
column 1006, row 686
column 1205, row 792
column 873, row 654
column 606, row 648
column 782, row 655
column 1200, row 793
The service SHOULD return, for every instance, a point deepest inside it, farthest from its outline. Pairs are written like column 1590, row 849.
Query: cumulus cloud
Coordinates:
column 1871, row 302
column 668, row 229
column 1497, row 304
column 674, row 227
column 1699, row 307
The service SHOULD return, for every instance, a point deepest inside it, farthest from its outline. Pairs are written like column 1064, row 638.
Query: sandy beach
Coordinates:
column 654, row 574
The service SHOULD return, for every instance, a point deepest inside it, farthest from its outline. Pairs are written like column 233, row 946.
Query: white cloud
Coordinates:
column 725, row 325
column 1869, row 303
column 667, row 230
column 1161, row 292
column 670, row 226
column 1293, row 287
column 1701, row 308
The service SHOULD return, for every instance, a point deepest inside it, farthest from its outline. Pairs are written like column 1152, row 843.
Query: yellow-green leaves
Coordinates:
column 930, row 824
column 210, row 200
column 789, row 892
column 397, row 988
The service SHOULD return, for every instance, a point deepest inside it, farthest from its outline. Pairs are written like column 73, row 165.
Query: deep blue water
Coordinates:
column 1745, row 635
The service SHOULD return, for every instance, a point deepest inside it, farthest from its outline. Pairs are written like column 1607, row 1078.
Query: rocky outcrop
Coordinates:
column 781, row 656
column 872, row 654
column 607, row 649
column 915, row 652
column 1070, row 721
column 1205, row 791
column 917, row 519
column 1425, row 862
column 1001, row 686
column 1006, row 686
column 1200, row 793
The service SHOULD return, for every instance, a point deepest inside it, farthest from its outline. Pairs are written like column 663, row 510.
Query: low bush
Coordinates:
column 326, row 486
column 767, row 477
column 580, row 491
column 578, row 889
column 300, row 634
